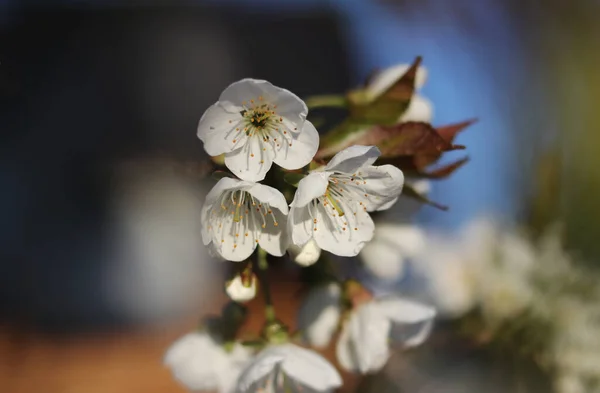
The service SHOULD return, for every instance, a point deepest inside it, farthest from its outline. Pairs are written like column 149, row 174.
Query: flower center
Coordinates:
column 260, row 120
column 239, row 217
column 343, row 199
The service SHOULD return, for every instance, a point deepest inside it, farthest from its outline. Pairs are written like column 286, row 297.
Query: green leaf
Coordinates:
column 366, row 112
column 445, row 170
column 449, row 132
column 330, row 101
column 387, row 108
column 342, row 136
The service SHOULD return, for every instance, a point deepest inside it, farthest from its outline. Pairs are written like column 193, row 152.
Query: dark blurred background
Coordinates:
column 100, row 103
column 86, row 89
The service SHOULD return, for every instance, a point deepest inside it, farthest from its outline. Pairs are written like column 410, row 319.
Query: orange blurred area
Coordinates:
column 115, row 363
column 124, row 361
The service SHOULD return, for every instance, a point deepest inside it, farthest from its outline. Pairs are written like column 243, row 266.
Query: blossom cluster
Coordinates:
column 255, row 124
column 525, row 294
column 318, row 197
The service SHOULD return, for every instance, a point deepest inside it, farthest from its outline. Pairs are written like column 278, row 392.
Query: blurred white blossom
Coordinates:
column 364, row 343
column 486, row 265
column 200, row 363
column 512, row 280
column 451, row 280
column 158, row 268
column 288, row 368
column 392, row 244
column 319, row 314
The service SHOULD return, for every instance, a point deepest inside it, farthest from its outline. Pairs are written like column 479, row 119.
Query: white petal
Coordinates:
column 386, row 78
column 237, row 360
column 383, row 184
column 382, row 259
column 192, row 360
column 319, row 314
column 302, row 365
column 206, row 236
column 353, row 158
column 408, row 239
column 419, row 109
column 331, row 236
column 288, row 104
column 300, row 226
column 217, row 129
column 259, row 368
column 402, row 311
column 273, row 238
column 231, row 247
column 302, row 150
column 241, row 163
column 345, row 350
column 238, row 292
column 309, row 368
column 305, row 255
column 269, row 195
column 363, row 344
column 310, row 187
column 224, row 184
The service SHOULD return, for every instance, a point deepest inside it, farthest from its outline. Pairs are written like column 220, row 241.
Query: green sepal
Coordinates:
column 255, row 344
column 218, row 175
column 219, row 160
column 293, row 179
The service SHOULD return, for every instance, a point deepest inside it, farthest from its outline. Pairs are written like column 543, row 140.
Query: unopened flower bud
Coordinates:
column 305, row 255
column 243, row 287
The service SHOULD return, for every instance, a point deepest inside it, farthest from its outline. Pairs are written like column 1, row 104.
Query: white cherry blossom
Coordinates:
column 255, row 124
column 364, row 343
column 288, row 368
column 319, row 314
column 420, row 108
column 200, row 363
column 239, row 215
column 331, row 205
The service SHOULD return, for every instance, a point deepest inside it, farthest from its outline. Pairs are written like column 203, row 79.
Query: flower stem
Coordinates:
column 337, row 101
column 263, row 267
